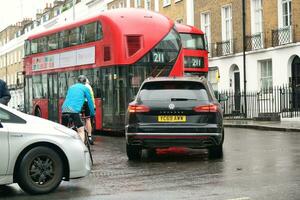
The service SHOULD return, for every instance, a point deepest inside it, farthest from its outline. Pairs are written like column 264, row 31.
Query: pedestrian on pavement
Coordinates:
column 73, row 104
column 4, row 93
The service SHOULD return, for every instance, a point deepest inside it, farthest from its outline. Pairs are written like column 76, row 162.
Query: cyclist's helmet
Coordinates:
column 82, row 79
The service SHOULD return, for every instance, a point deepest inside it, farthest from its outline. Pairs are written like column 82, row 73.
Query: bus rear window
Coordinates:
column 192, row 41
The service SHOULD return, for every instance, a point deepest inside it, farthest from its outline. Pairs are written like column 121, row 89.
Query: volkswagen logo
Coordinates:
column 171, row 106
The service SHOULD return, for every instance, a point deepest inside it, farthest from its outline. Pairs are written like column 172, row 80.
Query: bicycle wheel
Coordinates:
column 87, row 143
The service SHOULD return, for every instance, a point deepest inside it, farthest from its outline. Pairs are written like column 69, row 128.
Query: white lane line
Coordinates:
column 241, row 198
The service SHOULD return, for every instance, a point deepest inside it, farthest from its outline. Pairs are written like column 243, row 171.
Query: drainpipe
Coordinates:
column 244, row 56
column 6, row 70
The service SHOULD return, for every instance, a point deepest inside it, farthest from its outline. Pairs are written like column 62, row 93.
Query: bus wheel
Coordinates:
column 38, row 112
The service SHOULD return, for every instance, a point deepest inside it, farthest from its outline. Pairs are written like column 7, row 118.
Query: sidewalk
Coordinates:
column 284, row 125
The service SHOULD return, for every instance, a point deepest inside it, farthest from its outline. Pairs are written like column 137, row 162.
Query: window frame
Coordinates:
column 266, row 74
column 206, row 27
column 227, row 32
column 256, row 16
column 166, row 3
column 13, row 118
column 288, row 21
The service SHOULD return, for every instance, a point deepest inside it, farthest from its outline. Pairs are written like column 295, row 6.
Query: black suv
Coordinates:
column 179, row 111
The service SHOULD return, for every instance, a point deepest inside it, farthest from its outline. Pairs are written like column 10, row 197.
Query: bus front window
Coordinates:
column 193, row 41
column 161, row 59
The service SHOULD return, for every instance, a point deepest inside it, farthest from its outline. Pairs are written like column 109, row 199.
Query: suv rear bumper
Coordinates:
column 164, row 140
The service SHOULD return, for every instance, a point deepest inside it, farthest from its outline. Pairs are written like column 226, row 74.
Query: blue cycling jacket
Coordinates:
column 75, row 98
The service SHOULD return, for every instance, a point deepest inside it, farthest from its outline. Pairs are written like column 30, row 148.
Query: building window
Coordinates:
column 226, row 23
column 179, row 21
column 137, row 3
column 286, row 13
column 147, row 4
column 45, row 18
column 266, row 79
column 57, row 12
column 205, row 26
column 256, row 16
column 166, row 3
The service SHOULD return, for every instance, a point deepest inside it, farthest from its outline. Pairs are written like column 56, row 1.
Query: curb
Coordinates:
column 262, row 127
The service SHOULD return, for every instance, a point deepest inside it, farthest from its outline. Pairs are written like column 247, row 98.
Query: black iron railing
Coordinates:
column 283, row 100
column 224, row 48
column 254, row 42
column 282, row 36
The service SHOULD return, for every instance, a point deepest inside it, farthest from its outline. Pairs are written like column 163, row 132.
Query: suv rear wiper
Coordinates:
column 182, row 99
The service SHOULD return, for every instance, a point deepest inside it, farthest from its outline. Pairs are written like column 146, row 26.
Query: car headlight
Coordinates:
column 68, row 131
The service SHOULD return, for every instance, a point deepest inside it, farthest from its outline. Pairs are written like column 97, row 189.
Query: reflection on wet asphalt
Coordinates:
column 256, row 165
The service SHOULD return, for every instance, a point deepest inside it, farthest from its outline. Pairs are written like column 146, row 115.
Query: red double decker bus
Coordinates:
column 194, row 50
column 116, row 50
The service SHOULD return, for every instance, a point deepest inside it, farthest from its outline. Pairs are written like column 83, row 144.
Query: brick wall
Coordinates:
column 214, row 7
column 174, row 11
column 270, row 20
column 296, row 19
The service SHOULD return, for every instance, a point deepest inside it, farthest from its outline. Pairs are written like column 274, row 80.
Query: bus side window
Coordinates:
column 99, row 35
column 74, row 36
column 66, row 38
column 34, row 46
column 82, row 34
column 60, row 40
column 90, row 32
column 53, row 42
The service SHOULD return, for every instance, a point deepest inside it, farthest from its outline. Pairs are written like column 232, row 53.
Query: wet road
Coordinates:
column 256, row 165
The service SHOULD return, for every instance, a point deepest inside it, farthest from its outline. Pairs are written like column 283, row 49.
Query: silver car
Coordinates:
column 38, row 154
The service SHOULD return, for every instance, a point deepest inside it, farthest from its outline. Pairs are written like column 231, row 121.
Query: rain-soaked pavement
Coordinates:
column 256, row 165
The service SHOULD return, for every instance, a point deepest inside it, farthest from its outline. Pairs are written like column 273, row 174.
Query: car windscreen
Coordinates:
column 173, row 91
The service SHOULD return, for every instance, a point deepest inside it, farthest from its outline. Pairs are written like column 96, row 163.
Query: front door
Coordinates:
column 4, row 155
column 108, row 97
column 237, row 91
column 296, row 82
column 53, row 97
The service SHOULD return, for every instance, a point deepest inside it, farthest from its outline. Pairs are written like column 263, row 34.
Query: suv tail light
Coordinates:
column 138, row 109
column 206, row 108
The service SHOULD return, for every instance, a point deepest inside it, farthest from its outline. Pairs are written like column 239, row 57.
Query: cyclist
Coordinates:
column 73, row 104
column 87, row 113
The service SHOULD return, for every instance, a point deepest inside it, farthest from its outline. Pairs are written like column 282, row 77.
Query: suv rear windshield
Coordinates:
column 173, row 90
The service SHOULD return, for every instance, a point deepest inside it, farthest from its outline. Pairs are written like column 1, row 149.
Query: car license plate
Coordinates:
column 171, row 118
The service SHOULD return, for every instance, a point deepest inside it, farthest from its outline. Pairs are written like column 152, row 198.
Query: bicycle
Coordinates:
column 72, row 126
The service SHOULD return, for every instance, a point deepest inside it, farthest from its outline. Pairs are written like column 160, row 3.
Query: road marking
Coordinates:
column 241, row 198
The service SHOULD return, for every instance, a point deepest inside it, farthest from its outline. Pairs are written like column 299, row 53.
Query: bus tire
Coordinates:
column 37, row 112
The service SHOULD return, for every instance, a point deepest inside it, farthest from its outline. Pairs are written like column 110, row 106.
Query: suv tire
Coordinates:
column 216, row 151
column 133, row 152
